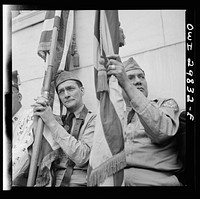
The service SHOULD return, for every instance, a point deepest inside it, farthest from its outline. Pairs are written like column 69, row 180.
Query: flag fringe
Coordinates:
column 44, row 176
column 48, row 159
column 102, row 80
column 108, row 168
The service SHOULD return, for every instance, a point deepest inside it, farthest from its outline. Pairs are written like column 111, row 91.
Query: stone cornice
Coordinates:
column 27, row 19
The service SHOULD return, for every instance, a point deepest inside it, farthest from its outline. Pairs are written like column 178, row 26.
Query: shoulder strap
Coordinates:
column 66, row 176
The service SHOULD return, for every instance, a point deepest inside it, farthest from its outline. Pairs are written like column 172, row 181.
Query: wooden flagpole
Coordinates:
column 40, row 125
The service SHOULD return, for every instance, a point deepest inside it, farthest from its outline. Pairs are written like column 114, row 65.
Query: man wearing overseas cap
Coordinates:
column 22, row 135
column 74, row 138
column 151, row 153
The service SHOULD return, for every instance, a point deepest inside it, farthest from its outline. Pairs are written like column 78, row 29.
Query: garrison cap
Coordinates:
column 15, row 79
column 63, row 76
column 131, row 64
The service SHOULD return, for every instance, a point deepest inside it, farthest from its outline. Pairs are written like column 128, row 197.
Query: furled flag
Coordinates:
column 53, row 18
column 63, row 20
column 66, row 61
column 107, row 158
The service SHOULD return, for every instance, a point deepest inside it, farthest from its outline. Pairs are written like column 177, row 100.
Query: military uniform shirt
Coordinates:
column 148, row 138
column 148, row 133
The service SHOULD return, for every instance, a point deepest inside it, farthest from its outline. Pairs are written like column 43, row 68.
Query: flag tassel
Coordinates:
column 108, row 168
column 102, row 81
column 102, row 77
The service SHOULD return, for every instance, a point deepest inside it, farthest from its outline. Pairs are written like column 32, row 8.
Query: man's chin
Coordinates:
column 143, row 92
column 69, row 104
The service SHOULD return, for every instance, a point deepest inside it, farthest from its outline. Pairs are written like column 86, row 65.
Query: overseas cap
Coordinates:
column 131, row 64
column 64, row 76
column 15, row 79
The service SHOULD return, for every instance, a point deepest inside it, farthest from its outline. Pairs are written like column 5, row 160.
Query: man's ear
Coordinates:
column 82, row 90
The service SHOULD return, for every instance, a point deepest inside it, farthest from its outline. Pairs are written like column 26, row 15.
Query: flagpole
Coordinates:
column 40, row 124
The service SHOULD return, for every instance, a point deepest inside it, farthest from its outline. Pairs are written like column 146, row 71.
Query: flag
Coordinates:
column 66, row 61
column 107, row 158
column 53, row 18
column 63, row 20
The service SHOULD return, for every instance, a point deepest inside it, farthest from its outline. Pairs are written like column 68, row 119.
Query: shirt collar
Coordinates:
column 77, row 112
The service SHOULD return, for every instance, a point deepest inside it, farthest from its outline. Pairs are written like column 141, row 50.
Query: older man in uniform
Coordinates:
column 151, row 152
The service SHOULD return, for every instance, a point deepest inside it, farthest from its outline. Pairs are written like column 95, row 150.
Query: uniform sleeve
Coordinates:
column 77, row 150
column 159, row 120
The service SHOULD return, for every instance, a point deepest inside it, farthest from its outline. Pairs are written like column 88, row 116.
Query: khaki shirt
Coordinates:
column 61, row 146
column 77, row 150
column 148, row 138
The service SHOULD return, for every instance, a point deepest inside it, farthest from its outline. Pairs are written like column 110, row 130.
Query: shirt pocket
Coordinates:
column 136, row 133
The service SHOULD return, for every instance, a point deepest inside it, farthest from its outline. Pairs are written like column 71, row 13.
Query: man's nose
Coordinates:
column 137, row 81
column 66, row 93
